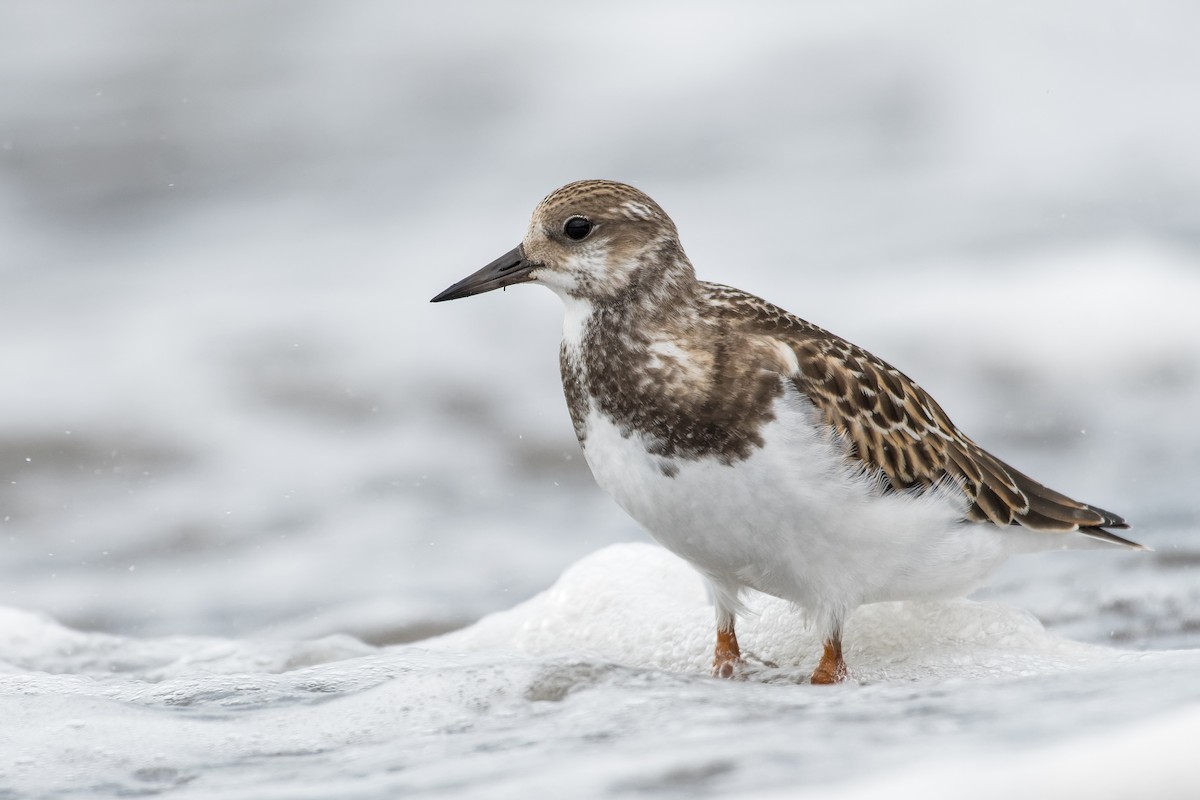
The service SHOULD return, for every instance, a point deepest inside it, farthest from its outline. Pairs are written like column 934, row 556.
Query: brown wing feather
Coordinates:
column 893, row 425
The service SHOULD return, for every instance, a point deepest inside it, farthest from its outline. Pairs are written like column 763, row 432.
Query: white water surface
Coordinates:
column 596, row 687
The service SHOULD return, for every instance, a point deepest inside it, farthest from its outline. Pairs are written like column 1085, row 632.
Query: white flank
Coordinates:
column 796, row 521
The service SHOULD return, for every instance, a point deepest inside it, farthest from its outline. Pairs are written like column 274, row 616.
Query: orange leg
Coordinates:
column 727, row 657
column 832, row 668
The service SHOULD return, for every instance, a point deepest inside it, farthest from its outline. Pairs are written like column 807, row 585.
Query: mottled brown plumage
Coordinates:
column 886, row 422
column 891, row 424
column 710, row 403
column 716, row 404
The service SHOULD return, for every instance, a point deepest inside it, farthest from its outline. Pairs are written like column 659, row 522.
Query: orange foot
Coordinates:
column 727, row 657
column 832, row 668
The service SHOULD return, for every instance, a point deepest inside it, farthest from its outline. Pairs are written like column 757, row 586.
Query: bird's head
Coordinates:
column 593, row 240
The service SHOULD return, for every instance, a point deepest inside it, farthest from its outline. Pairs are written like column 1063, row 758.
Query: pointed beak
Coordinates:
column 510, row 268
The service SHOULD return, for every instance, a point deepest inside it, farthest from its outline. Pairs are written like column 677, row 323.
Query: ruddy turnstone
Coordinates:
column 767, row 452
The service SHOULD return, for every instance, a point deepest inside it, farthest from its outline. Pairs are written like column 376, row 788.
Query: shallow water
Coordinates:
column 257, row 497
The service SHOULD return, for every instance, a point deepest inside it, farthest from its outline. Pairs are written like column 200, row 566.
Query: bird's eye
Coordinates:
column 576, row 228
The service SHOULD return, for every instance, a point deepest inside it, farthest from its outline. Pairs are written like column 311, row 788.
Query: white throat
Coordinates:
column 577, row 314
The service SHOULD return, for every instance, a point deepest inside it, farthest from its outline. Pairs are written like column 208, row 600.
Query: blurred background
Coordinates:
column 227, row 407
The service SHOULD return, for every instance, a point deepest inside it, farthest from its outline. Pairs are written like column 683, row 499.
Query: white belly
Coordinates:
column 794, row 520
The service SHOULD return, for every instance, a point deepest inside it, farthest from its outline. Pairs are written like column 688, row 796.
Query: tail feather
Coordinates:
column 1050, row 503
column 1109, row 536
column 1039, row 507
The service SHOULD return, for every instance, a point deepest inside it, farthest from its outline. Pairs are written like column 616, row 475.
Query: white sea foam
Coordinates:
column 658, row 616
column 598, row 686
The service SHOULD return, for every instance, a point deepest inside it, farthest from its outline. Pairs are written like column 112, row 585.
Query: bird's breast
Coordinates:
column 681, row 405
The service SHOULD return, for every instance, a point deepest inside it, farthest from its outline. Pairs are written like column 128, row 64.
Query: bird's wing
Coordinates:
column 892, row 425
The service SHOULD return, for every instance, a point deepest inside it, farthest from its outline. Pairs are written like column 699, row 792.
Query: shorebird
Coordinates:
column 767, row 452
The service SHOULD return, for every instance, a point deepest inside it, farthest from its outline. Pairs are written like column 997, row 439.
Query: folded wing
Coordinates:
column 892, row 425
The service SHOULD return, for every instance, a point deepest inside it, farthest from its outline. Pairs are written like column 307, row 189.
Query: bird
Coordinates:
column 769, row 453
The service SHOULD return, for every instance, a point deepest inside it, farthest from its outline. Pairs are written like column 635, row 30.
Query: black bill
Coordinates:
column 510, row 268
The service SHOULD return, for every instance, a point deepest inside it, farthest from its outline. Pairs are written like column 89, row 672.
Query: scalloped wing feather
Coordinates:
column 893, row 425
